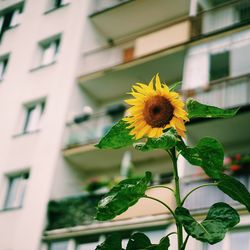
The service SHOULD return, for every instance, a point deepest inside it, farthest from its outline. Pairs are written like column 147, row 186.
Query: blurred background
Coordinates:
column 65, row 68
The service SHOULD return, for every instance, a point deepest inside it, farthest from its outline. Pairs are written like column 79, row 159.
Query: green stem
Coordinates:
column 165, row 205
column 177, row 196
column 161, row 186
column 185, row 243
column 170, row 234
column 204, row 185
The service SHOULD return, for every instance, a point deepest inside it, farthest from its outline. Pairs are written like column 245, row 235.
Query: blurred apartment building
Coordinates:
column 65, row 68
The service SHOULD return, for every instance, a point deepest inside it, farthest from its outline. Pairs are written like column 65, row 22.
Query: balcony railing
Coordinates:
column 205, row 197
column 87, row 129
column 173, row 34
column 81, row 210
column 222, row 17
column 225, row 93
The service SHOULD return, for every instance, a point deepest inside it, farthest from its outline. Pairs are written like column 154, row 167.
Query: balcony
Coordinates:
column 205, row 197
column 226, row 93
column 168, row 40
column 79, row 147
column 80, row 210
column 110, row 15
column 221, row 17
column 117, row 78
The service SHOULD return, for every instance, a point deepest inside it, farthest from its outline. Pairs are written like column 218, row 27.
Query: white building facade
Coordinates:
column 65, row 68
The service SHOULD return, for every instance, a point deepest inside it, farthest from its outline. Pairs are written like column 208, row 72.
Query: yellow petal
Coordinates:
column 181, row 132
column 180, row 112
column 151, row 83
column 178, row 123
column 153, row 132
column 133, row 101
column 142, row 132
column 159, row 132
column 157, row 83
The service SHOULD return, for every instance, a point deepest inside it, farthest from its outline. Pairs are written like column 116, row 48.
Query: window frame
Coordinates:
column 10, row 179
column 52, row 6
column 27, row 114
column 52, row 44
column 10, row 13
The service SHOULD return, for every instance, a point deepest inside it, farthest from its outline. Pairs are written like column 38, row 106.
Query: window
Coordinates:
column 244, row 11
column 49, row 51
column 10, row 18
column 16, row 190
column 33, row 115
column 219, row 65
column 54, row 4
column 3, row 66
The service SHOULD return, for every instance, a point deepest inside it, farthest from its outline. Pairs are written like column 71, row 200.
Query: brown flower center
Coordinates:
column 158, row 112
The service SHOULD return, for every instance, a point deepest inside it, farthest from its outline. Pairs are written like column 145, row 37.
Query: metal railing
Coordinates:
column 87, row 132
column 205, row 197
column 224, row 93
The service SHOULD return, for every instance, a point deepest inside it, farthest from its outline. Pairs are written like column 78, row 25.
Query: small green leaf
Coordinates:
column 175, row 86
column 139, row 241
column 208, row 154
column 122, row 196
column 163, row 245
column 235, row 189
column 220, row 218
column 167, row 141
column 113, row 241
column 117, row 137
column 223, row 212
column 199, row 110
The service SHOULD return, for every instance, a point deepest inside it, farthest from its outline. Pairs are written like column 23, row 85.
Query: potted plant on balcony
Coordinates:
column 157, row 121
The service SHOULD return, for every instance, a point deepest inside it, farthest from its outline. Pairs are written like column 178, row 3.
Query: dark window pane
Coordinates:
column 219, row 65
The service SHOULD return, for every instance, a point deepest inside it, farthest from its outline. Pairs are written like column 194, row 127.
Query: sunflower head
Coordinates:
column 155, row 108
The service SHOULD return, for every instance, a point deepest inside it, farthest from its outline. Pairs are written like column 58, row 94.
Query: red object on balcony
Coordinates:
column 128, row 54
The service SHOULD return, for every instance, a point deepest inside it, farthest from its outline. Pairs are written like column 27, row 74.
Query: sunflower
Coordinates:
column 154, row 109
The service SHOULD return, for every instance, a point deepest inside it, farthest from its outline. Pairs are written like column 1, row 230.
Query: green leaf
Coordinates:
column 117, row 137
column 208, row 154
column 114, row 242
column 198, row 110
column 167, row 141
column 139, row 241
column 235, row 189
column 163, row 245
column 124, row 195
column 220, row 218
column 175, row 86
